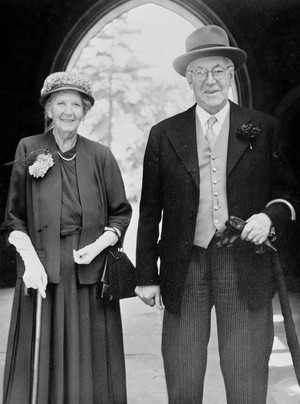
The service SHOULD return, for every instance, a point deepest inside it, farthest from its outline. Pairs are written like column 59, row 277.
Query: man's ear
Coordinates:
column 189, row 80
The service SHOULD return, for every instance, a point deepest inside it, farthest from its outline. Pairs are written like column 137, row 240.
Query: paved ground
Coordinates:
column 145, row 376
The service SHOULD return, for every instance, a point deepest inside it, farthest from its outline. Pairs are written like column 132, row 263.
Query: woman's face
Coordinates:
column 66, row 111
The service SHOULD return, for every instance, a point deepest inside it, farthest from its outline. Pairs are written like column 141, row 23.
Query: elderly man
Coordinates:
column 201, row 166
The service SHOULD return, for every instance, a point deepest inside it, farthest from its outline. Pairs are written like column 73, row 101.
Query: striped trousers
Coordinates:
column 245, row 336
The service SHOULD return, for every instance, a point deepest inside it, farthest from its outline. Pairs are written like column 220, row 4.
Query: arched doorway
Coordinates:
column 128, row 100
column 96, row 17
column 128, row 51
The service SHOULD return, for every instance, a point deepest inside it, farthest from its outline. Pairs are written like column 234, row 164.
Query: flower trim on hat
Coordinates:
column 67, row 79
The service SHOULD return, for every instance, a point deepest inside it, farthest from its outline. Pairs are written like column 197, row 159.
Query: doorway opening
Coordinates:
column 128, row 54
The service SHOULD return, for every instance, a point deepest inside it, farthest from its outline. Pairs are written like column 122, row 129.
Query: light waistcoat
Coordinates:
column 213, row 208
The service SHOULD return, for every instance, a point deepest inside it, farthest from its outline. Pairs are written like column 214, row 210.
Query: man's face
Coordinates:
column 211, row 93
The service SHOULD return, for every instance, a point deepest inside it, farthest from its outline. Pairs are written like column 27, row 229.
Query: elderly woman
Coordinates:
column 66, row 204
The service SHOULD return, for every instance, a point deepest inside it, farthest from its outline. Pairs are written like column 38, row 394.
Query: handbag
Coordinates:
column 118, row 279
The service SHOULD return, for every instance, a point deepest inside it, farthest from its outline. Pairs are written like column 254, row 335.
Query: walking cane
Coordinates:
column 290, row 330
column 234, row 227
column 37, row 337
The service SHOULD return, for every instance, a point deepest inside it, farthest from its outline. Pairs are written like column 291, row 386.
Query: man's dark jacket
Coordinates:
column 257, row 172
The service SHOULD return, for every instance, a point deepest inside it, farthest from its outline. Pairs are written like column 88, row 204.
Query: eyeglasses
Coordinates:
column 217, row 72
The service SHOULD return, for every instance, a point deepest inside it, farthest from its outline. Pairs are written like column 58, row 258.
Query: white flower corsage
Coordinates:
column 41, row 165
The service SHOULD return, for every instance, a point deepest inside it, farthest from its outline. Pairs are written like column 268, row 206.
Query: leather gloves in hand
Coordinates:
column 231, row 235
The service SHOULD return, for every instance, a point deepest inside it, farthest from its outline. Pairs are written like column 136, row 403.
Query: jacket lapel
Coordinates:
column 48, row 189
column 182, row 137
column 85, row 178
column 236, row 146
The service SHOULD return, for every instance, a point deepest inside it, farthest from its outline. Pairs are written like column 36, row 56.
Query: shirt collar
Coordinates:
column 204, row 116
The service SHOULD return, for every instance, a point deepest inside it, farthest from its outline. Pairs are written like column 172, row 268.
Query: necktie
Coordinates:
column 210, row 135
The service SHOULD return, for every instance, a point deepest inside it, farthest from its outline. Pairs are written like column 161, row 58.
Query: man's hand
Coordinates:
column 150, row 295
column 257, row 229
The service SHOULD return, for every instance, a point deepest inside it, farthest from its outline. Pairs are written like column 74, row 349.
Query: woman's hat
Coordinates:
column 66, row 81
column 207, row 41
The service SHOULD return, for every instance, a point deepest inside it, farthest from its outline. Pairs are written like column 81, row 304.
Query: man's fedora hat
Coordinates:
column 207, row 41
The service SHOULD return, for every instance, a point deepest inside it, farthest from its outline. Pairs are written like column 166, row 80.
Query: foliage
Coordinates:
column 130, row 97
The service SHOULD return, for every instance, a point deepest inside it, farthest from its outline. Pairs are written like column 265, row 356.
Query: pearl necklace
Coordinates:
column 64, row 158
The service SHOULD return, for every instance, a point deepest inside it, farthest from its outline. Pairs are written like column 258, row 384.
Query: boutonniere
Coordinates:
column 38, row 162
column 248, row 131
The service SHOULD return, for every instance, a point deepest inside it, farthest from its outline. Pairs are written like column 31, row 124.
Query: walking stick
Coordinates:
column 290, row 330
column 234, row 227
column 37, row 338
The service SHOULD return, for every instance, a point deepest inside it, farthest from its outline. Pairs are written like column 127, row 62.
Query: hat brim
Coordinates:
column 238, row 56
column 44, row 97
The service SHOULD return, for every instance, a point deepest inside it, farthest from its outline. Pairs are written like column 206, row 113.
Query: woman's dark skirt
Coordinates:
column 81, row 357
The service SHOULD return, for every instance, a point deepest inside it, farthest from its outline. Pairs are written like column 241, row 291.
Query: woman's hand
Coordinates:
column 86, row 254
column 150, row 295
column 35, row 277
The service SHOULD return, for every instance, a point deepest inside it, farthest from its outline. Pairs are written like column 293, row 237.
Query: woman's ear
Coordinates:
column 48, row 112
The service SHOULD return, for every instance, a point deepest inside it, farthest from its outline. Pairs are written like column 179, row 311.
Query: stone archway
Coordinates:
column 102, row 13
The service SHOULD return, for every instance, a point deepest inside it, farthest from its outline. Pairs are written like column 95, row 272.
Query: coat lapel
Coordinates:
column 86, row 186
column 236, row 146
column 49, row 187
column 83, row 163
column 182, row 137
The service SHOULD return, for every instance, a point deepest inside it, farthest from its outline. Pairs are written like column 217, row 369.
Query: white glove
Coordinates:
column 35, row 275
column 257, row 228
column 86, row 254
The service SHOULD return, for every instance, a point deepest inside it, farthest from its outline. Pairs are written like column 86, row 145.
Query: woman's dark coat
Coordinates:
column 102, row 198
